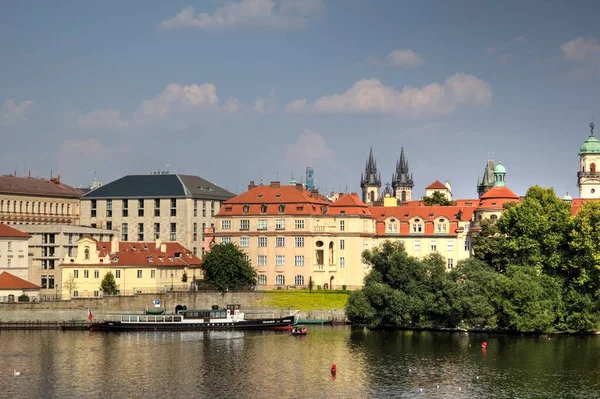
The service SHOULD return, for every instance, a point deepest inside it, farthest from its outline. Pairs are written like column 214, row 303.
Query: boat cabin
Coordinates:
column 214, row 313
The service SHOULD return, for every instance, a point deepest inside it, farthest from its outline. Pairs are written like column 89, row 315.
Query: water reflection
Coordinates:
column 276, row 364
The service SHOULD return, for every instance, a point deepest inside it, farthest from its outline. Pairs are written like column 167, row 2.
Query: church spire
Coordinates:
column 402, row 180
column 370, row 180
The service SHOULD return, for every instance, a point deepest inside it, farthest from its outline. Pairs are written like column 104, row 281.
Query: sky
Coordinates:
column 240, row 90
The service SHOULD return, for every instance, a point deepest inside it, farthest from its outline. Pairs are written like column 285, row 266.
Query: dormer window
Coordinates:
column 150, row 259
column 417, row 226
column 281, row 208
column 115, row 259
column 442, row 226
column 161, row 258
column 263, row 208
column 246, row 208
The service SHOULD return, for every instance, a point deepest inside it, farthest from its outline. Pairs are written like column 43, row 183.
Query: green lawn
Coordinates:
column 305, row 301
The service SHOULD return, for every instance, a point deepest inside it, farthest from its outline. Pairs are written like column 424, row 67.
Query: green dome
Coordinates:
column 592, row 144
column 567, row 197
column 499, row 169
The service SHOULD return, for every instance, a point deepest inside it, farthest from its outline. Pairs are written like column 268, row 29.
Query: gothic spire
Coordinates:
column 401, row 177
column 371, row 177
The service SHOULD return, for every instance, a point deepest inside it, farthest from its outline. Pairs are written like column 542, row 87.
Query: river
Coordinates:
column 236, row 364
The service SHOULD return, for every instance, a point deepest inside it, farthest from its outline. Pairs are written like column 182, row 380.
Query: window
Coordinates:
column 299, row 260
column 125, row 206
column 96, row 293
column 226, row 240
column 450, row 245
column 299, row 280
column 342, row 244
column 263, row 208
column 244, row 224
column 450, row 263
column 108, row 208
column 392, row 227
column 96, row 273
column 299, row 224
column 261, row 224
column 9, row 262
column 262, row 242
column 44, row 282
column 139, row 274
column 262, row 279
column 225, row 224
column 117, row 274
column 195, row 208
column 467, row 245
column 244, row 242
column 173, row 235
column 86, row 274
column 299, row 242
column 157, row 230
column 93, row 208
column 109, row 224
column 50, row 281
column 417, row 227
column 433, row 246
column 441, row 226
column 75, row 273
column 280, row 279
column 157, row 208
column 9, row 246
column 342, row 225
column 280, row 224
column 141, row 208
column 262, row 260
column 124, row 231
column 279, row 260
column 45, row 263
column 246, row 208
column 342, row 262
column 246, row 258
column 173, row 207
column 152, row 273
column 140, row 231
column 417, row 245
column 281, row 208
column 75, row 293
column 280, row 242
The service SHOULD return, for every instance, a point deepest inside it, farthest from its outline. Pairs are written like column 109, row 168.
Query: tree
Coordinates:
column 70, row 284
column 585, row 245
column 109, row 285
column 437, row 198
column 184, row 277
column 225, row 268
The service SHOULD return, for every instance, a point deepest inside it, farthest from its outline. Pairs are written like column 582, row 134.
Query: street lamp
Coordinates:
column 171, row 281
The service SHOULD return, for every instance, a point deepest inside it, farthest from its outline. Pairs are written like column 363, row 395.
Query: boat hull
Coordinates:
column 282, row 323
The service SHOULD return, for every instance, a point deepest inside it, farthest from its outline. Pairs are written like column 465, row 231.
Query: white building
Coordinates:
column 13, row 252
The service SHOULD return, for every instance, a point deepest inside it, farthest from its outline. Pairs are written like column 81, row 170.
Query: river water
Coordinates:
column 236, row 364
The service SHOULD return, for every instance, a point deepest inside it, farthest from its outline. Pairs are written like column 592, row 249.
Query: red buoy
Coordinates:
column 484, row 344
column 333, row 369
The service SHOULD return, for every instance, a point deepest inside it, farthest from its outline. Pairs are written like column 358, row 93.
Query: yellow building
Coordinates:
column 137, row 267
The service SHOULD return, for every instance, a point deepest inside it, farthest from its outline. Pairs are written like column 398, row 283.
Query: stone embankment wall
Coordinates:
column 77, row 308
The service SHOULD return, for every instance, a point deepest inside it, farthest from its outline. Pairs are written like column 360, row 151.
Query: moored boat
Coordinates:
column 315, row 321
column 299, row 330
column 230, row 318
column 155, row 311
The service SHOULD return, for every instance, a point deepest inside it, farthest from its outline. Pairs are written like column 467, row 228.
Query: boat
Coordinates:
column 299, row 330
column 230, row 318
column 155, row 311
column 315, row 321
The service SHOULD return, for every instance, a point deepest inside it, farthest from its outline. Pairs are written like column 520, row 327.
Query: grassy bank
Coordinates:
column 305, row 301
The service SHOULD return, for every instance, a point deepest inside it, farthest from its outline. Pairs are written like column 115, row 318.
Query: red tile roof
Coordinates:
column 9, row 232
column 10, row 282
column 459, row 202
column 349, row 204
column 426, row 213
column 436, row 185
column 499, row 192
column 37, row 187
column 296, row 201
column 577, row 203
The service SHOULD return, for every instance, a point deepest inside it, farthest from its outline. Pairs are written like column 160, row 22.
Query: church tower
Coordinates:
column 402, row 180
column 588, row 177
column 370, row 181
column 488, row 179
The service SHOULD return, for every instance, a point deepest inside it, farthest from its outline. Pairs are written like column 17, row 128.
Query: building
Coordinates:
column 137, row 267
column 402, row 180
column 310, row 179
column 169, row 207
column 28, row 200
column 370, row 180
column 48, row 245
column 12, row 287
column 487, row 181
column 588, row 177
column 14, row 256
column 444, row 189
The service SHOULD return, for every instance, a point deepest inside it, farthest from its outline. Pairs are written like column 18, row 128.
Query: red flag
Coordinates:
column 90, row 315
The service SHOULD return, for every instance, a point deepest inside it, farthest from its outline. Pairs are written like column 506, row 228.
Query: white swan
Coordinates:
column 16, row 373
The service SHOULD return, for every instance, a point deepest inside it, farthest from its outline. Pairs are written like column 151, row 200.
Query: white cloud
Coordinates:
column 248, row 14
column 11, row 112
column 266, row 105
column 176, row 97
column 309, row 149
column 501, row 46
column 399, row 58
column 232, row 105
column 370, row 95
column 581, row 49
column 108, row 118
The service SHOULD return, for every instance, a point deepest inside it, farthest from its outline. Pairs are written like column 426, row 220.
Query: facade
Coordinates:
column 444, row 189
column 12, row 287
column 402, row 180
column 588, row 177
column 27, row 200
column 169, row 207
column 14, row 256
column 48, row 246
column 136, row 266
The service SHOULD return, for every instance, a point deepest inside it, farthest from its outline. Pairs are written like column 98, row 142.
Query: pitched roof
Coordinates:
column 349, row 204
column 10, row 282
column 160, row 186
column 37, row 187
column 436, row 185
column 405, row 213
column 9, row 232
column 296, row 200
column 499, row 193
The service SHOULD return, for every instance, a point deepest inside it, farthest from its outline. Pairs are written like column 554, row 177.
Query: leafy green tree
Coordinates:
column 585, row 245
column 225, row 268
column 437, row 198
column 184, row 277
column 108, row 284
column 489, row 246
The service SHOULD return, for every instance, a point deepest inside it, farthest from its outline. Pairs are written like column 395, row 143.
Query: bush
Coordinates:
column 343, row 287
column 318, row 287
column 23, row 298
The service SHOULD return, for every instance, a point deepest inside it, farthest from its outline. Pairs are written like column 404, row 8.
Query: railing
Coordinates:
column 319, row 268
column 589, row 174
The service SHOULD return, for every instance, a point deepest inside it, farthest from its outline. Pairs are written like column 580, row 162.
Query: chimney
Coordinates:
column 114, row 245
column 314, row 193
column 299, row 186
column 251, row 185
column 275, row 184
column 158, row 243
column 163, row 248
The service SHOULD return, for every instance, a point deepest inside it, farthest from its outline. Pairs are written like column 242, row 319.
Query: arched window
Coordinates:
column 40, row 207
column 27, row 207
column 442, row 226
column 299, row 280
column 280, row 279
column 62, row 209
column 56, row 208
column 246, row 209
column 86, row 252
column 417, row 226
column 33, row 207
column 68, row 209
column 281, row 208
column 263, row 208
column 262, row 279
column 15, row 206
column 2, row 206
column 372, row 196
column 51, row 208
column 493, row 218
column 593, row 167
column 20, row 206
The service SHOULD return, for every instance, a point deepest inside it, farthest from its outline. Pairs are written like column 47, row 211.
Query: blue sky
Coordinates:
column 230, row 90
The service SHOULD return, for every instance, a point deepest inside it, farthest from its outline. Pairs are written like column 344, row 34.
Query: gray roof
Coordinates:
column 160, row 186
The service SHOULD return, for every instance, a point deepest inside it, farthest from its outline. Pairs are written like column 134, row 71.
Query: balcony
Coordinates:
column 319, row 229
column 318, row 268
column 588, row 175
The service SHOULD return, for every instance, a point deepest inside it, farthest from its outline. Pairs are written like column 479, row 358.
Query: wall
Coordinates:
column 76, row 309
column 18, row 255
